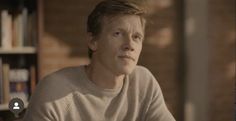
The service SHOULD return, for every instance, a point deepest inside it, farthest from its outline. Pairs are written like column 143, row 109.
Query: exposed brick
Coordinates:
column 221, row 87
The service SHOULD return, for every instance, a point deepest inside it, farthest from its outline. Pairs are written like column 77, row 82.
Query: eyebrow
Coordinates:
column 138, row 33
column 123, row 30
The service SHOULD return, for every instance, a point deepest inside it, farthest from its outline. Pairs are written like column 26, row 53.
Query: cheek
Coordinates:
column 139, row 49
column 109, row 50
column 114, row 47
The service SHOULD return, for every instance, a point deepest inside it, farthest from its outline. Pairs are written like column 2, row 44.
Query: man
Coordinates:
column 111, row 87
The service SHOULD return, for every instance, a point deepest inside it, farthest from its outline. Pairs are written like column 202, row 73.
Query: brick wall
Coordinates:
column 64, row 42
column 161, row 52
column 222, row 41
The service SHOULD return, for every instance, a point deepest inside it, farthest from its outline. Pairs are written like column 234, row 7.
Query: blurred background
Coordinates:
column 189, row 47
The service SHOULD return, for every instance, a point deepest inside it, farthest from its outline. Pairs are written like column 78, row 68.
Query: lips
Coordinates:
column 127, row 57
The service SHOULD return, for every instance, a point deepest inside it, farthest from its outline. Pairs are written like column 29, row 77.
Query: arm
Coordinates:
column 45, row 102
column 157, row 109
column 38, row 113
column 40, row 107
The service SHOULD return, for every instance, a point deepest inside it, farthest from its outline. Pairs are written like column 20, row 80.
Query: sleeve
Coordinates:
column 157, row 109
column 38, row 113
column 42, row 105
column 51, row 98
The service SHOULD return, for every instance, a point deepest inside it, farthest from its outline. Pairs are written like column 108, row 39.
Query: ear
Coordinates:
column 92, row 42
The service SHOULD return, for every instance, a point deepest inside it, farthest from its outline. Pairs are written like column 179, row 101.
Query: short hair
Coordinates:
column 111, row 8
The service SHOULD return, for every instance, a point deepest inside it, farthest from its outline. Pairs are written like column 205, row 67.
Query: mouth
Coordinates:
column 126, row 57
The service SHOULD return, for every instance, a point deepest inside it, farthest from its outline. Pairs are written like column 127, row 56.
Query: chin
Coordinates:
column 126, row 70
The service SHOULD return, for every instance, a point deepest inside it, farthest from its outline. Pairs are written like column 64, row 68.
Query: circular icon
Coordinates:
column 16, row 105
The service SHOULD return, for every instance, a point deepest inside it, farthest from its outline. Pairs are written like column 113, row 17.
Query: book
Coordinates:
column 1, row 82
column 18, row 31
column 18, row 75
column 15, row 30
column 19, row 90
column 6, row 30
column 19, row 86
column 25, row 27
column 32, row 79
column 14, row 83
column 0, row 29
column 6, row 85
column 32, row 30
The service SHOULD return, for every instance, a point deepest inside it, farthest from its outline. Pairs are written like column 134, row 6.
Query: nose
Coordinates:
column 128, row 44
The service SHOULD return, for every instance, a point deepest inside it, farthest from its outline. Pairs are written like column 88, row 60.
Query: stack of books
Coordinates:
column 18, row 82
column 17, row 29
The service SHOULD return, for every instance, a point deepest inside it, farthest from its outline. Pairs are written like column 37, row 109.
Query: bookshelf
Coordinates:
column 20, row 32
column 3, row 107
column 24, row 50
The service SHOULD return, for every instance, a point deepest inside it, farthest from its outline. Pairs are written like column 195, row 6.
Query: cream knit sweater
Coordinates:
column 68, row 95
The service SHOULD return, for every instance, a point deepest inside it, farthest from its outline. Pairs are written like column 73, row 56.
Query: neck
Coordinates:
column 103, row 77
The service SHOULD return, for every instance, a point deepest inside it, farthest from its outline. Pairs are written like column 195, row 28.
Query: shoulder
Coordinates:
column 142, row 73
column 58, row 84
column 60, row 77
column 144, row 85
column 63, row 73
column 53, row 93
column 144, row 79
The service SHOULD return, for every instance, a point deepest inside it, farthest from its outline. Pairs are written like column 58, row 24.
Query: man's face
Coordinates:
column 119, row 44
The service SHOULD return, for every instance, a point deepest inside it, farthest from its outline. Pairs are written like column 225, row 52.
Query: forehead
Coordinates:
column 123, row 21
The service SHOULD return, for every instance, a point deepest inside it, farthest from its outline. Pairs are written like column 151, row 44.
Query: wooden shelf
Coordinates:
column 24, row 50
column 30, row 13
column 4, row 107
